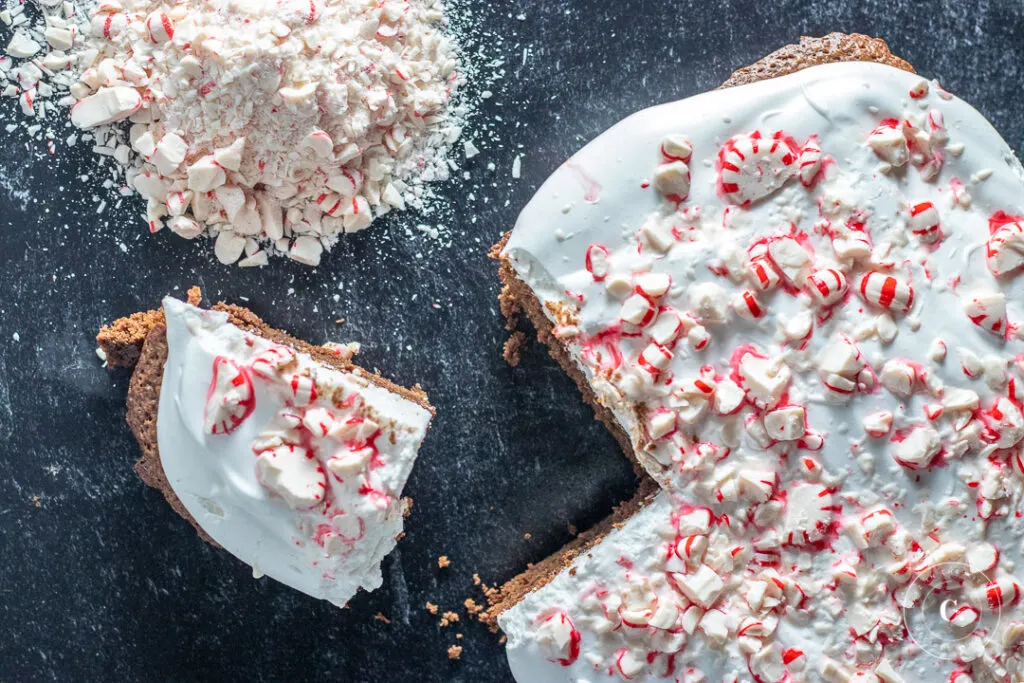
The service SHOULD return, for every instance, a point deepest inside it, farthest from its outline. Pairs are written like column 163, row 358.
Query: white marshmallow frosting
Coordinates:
column 294, row 467
column 802, row 299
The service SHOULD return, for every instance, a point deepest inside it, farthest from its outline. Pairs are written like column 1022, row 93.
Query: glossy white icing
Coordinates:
column 294, row 467
column 831, row 368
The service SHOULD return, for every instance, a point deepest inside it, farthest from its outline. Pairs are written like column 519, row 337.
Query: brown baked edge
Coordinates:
column 542, row 573
column 517, row 298
column 140, row 340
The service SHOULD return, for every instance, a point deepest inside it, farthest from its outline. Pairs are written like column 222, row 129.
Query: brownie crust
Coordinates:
column 516, row 299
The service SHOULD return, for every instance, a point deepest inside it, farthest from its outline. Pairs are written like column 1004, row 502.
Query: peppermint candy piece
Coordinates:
column 230, row 398
column 987, row 310
column 752, row 167
column 1004, row 251
column 924, row 222
column 809, row 516
column 886, row 291
column 826, row 286
column 294, row 474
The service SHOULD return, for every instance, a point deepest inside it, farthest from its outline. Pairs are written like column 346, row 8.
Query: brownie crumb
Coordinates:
column 472, row 607
column 455, row 652
column 379, row 616
column 443, row 562
column 431, row 607
column 514, row 348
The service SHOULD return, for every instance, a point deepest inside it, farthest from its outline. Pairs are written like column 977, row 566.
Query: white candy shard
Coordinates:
column 205, row 175
column 841, row 367
column 107, row 105
column 786, row 424
column 764, row 379
column 987, row 310
column 293, row 474
column 878, row 424
column 918, row 449
column 709, row 303
column 899, row 377
column 702, row 586
column 791, row 259
column 673, row 180
column 21, row 46
column 887, row 141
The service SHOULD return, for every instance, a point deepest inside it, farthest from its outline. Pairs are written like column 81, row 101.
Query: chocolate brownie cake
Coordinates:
column 795, row 302
column 286, row 454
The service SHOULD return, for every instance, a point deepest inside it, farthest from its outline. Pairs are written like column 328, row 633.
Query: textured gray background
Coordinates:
column 99, row 580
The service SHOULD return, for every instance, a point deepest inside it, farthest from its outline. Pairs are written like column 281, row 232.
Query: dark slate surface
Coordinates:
column 99, row 580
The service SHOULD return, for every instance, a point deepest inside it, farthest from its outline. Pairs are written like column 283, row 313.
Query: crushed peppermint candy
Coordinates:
column 273, row 129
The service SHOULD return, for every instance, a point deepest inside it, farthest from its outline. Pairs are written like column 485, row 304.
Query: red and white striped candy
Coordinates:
column 597, row 261
column 347, row 183
column 654, row 358
column 826, row 286
column 1004, row 251
column 676, row 148
column 638, row 310
column 886, row 291
column 691, row 549
column 963, row 616
column 924, row 222
column 109, row 25
column 160, row 27
column 808, row 519
column 1002, row 592
column 303, row 389
column 751, row 167
column 810, row 162
column 762, row 273
column 698, row 337
column 877, row 525
column 230, row 398
column 987, row 310
column 268, row 363
column 747, row 306
column 331, row 204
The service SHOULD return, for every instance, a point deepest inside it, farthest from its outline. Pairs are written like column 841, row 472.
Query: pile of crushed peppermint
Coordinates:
column 271, row 127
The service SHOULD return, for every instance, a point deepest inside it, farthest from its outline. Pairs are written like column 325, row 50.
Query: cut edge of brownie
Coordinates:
column 517, row 298
column 139, row 341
